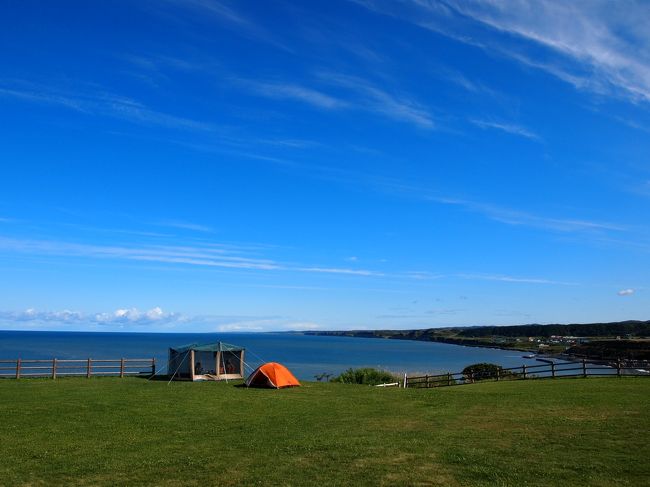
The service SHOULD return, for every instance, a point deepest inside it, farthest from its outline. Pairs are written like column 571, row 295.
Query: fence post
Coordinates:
column 122, row 367
column 426, row 381
column 53, row 368
column 448, row 379
column 471, row 377
column 524, row 369
column 406, row 379
column 18, row 369
column 553, row 370
column 153, row 366
column 498, row 374
column 618, row 367
column 88, row 369
column 584, row 368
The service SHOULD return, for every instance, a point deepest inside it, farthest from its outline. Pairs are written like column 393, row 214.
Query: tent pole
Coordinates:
column 224, row 365
column 177, row 368
column 192, row 365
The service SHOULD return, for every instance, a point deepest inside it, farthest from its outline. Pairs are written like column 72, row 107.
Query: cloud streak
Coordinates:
column 222, row 257
column 586, row 43
column 355, row 94
column 288, row 91
column 377, row 100
column 202, row 256
column 353, row 272
column 105, row 104
column 523, row 280
column 218, row 10
column 195, row 227
column 499, row 213
column 508, row 128
column 198, row 256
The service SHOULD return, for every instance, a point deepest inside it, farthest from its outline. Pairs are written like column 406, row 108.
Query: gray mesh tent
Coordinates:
column 208, row 361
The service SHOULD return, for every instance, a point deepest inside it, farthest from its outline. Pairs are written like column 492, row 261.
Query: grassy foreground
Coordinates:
column 110, row 431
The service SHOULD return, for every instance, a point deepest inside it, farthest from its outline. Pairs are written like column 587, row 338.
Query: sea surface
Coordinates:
column 305, row 355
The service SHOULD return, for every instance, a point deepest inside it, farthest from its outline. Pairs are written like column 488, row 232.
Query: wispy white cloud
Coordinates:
column 372, row 98
column 202, row 256
column 610, row 43
column 587, row 43
column 275, row 324
column 104, row 104
column 637, row 244
column 219, row 257
column 158, row 62
column 633, row 124
column 355, row 94
column 626, row 292
column 216, row 8
column 422, row 275
column 292, row 91
column 332, row 270
column 444, row 311
column 290, row 143
column 495, row 212
column 509, row 128
column 198, row 256
column 516, row 217
column 524, row 280
column 469, row 85
column 424, row 316
column 185, row 226
column 225, row 14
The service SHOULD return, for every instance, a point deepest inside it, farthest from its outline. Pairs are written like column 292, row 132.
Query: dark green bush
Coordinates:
column 366, row 375
column 483, row 371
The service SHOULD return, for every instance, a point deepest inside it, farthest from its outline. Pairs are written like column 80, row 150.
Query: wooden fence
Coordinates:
column 548, row 370
column 86, row 367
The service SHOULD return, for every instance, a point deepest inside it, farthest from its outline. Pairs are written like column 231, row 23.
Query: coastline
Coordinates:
column 447, row 340
column 541, row 356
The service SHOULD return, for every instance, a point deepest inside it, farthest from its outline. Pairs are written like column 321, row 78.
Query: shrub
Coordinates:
column 366, row 375
column 483, row 371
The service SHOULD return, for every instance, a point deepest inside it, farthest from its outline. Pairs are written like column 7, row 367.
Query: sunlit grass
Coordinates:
column 131, row 431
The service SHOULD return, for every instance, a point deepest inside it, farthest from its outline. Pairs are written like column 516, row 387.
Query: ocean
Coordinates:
column 305, row 355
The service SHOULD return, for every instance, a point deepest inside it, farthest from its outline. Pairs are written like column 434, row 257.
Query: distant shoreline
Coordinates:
column 599, row 349
column 447, row 341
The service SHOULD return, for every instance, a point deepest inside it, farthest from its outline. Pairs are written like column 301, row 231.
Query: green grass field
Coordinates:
column 110, row 431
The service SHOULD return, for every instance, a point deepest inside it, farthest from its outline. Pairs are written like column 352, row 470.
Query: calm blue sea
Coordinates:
column 305, row 355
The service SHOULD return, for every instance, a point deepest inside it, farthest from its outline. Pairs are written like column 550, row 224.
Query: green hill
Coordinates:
column 613, row 329
column 515, row 337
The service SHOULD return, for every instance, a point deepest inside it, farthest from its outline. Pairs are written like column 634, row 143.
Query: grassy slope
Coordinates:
column 130, row 431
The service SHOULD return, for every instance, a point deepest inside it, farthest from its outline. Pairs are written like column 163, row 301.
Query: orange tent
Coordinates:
column 273, row 375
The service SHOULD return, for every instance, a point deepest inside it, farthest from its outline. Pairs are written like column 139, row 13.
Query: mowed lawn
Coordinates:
column 111, row 431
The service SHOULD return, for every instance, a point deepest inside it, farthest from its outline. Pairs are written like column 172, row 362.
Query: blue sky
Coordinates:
column 205, row 165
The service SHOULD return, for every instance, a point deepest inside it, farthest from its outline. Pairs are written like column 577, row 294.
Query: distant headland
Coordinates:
column 627, row 340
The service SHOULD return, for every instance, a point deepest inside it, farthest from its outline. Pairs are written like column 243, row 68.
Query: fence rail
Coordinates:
column 77, row 367
column 549, row 370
